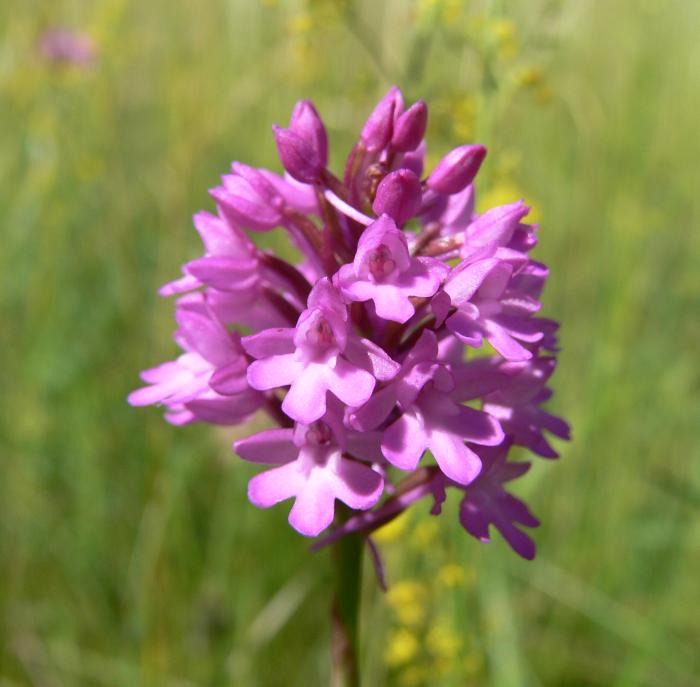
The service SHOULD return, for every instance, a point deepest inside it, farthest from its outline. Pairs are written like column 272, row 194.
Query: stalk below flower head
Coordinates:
column 401, row 359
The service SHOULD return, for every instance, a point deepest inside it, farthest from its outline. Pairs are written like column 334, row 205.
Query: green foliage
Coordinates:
column 128, row 553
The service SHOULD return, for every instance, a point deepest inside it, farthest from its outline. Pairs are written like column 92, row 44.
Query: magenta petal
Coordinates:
column 306, row 399
column 456, row 460
column 464, row 282
column 367, row 355
column 405, row 442
column 230, row 379
column 518, row 511
column 555, row 425
column 269, row 342
column 271, row 447
column 366, row 446
column 357, row 485
column 473, row 425
column 375, row 411
column 207, row 336
column 221, row 238
column 520, row 542
column 474, row 521
column 496, row 225
column 147, row 395
column 350, row 384
column 224, row 273
column 392, row 304
column 181, row 285
column 505, row 344
column 521, row 327
column 273, row 372
column 465, row 328
column 477, row 378
column 314, row 507
column 179, row 416
column 272, row 486
column 224, row 410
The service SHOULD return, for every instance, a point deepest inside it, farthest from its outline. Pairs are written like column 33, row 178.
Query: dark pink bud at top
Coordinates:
column 398, row 195
column 457, row 169
column 379, row 126
column 307, row 123
column 298, row 156
column 409, row 127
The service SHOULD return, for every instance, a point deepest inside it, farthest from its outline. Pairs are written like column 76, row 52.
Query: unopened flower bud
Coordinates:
column 379, row 126
column 409, row 127
column 398, row 195
column 457, row 169
column 298, row 156
column 307, row 123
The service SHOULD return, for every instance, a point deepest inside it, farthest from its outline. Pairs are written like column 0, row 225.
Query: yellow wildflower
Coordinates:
column 453, row 575
column 529, row 76
column 424, row 533
column 415, row 676
column 393, row 530
column 506, row 38
column 443, row 641
column 402, row 648
column 408, row 601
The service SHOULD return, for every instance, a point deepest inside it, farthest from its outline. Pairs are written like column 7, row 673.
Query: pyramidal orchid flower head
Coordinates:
column 457, row 169
column 363, row 353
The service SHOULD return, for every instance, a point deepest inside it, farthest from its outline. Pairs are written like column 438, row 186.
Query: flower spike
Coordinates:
column 401, row 357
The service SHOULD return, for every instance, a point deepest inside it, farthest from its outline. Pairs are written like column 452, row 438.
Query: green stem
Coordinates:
column 347, row 573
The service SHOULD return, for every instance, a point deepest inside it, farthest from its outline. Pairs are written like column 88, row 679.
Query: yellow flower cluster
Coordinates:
column 307, row 28
column 425, row 645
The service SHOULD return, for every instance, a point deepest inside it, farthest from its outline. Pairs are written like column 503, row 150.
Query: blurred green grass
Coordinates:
column 128, row 553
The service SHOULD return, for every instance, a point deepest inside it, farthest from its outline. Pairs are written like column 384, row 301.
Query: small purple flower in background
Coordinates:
column 68, row 47
column 401, row 358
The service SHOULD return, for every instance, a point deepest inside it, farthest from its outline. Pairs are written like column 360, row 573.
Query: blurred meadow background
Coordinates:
column 128, row 552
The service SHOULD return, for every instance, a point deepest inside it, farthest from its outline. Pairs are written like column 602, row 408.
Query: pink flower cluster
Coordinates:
column 369, row 353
